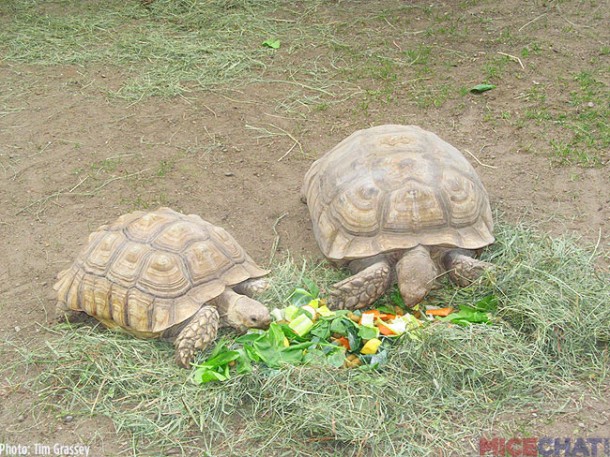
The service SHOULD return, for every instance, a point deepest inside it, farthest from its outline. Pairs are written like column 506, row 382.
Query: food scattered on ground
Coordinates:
column 308, row 332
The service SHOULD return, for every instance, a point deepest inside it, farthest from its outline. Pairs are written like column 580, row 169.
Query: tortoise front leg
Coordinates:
column 252, row 287
column 196, row 335
column 462, row 267
column 363, row 288
column 416, row 272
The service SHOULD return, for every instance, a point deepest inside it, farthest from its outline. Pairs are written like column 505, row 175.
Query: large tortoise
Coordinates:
column 398, row 203
column 164, row 274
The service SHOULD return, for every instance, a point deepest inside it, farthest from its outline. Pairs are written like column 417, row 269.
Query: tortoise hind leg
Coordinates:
column 196, row 335
column 462, row 267
column 67, row 292
column 64, row 314
column 363, row 288
column 416, row 272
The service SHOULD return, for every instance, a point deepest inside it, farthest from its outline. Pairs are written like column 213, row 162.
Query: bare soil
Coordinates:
column 73, row 158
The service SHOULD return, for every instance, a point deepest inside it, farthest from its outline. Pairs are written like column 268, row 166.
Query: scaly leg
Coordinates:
column 196, row 335
column 252, row 287
column 462, row 267
column 363, row 288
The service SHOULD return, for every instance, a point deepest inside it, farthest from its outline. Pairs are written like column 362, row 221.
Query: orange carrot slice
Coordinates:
column 386, row 331
column 442, row 312
column 343, row 341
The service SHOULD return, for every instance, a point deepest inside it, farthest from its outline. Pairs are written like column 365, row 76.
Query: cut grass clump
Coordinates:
column 552, row 328
column 170, row 46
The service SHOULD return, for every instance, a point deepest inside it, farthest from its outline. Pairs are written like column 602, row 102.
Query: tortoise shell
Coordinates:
column 147, row 272
column 393, row 187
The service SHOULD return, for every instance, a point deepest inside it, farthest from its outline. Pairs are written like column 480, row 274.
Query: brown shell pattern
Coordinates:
column 149, row 271
column 394, row 187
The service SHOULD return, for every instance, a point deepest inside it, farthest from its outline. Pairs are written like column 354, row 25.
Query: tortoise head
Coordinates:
column 242, row 313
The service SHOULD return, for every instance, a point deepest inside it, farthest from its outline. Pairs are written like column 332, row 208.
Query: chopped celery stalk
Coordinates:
column 386, row 329
column 398, row 326
column 367, row 319
column 324, row 311
column 410, row 320
column 371, row 346
column 301, row 325
column 310, row 310
column 315, row 303
column 290, row 312
column 277, row 314
column 402, row 324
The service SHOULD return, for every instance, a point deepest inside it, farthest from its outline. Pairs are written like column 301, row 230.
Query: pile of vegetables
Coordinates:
column 307, row 332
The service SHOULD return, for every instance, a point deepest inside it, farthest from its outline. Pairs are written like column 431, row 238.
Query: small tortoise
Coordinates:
column 164, row 274
column 397, row 203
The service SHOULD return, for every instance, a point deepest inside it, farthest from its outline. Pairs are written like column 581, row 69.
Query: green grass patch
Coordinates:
column 495, row 68
column 581, row 126
column 175, row 47
column 426, row 96
column 552, row 329
column 589, row 122
column 167, row 48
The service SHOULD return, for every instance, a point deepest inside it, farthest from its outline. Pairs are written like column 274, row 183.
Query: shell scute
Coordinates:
column 179, row 235
column 465, row 204
column 360, row 206
column 412, row 209
column 205, row 262
column 138, row 313
column 163, row 275
column 128, row 262
column 147, row 227
column 227, row 244
column 103, row 248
